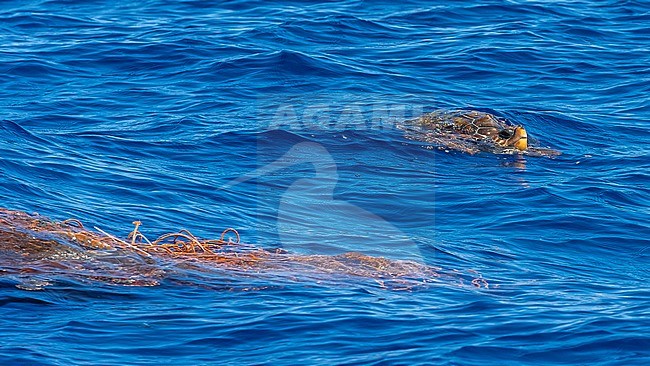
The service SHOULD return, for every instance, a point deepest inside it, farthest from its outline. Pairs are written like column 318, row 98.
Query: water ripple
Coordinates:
column 147, row 110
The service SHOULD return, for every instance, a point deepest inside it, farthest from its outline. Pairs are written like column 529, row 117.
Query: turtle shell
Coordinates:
column 472, row 124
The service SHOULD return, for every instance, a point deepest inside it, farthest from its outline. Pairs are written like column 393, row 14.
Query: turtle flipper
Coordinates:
column 449, row 142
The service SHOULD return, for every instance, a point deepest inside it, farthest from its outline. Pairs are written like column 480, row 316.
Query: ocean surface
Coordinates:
column 281, row 119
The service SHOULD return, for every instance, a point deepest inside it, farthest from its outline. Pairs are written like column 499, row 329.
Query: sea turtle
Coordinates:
column 471, row 132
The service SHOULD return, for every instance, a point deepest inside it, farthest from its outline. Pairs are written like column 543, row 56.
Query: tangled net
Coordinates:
column 38, row 237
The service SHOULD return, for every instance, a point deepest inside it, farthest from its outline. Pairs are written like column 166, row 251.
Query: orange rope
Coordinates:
column 183, row 245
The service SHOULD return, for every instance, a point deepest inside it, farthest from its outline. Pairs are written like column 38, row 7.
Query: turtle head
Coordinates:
column 513, row 137
column 520, row 138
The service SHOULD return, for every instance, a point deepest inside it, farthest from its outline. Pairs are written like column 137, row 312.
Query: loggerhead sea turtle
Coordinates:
column 471, row 132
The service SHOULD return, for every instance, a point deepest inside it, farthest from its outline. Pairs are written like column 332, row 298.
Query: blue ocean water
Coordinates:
column 278, row 118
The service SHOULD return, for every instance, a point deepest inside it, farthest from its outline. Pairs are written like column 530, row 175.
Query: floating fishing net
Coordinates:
column 31, row 242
